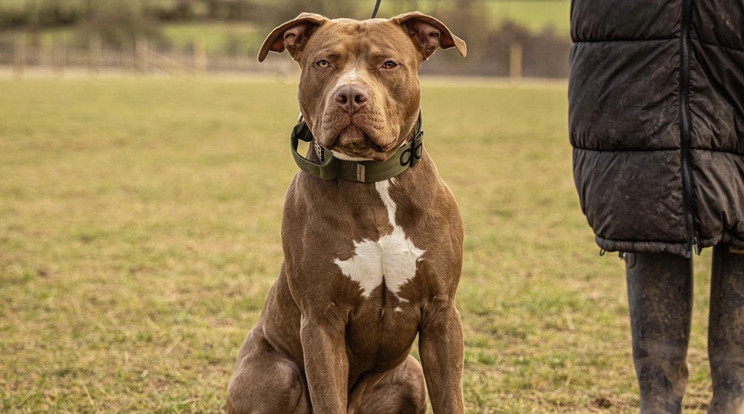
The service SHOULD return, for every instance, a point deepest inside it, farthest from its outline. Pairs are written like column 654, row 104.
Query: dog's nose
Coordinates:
column 351, row 97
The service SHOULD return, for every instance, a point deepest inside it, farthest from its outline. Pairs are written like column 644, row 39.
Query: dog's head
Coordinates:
column 359, row 91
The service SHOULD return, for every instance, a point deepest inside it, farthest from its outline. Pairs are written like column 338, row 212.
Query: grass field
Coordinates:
column 215, row 36
column 139, row 234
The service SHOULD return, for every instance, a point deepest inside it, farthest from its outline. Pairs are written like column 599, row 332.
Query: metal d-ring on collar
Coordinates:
column 331, row 168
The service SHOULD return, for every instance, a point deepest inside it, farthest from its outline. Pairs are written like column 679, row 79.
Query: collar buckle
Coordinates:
column 412, row 155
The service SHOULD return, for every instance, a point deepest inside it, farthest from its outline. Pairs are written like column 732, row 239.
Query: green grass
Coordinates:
column 215, row 36
column 139, row 234
column 536, row 15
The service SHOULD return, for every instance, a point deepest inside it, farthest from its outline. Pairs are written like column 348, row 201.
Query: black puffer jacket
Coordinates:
column 656, row 97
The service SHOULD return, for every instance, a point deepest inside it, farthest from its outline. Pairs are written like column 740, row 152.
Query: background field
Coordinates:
column 506, row 38
column 535, row 14
column 139, row 234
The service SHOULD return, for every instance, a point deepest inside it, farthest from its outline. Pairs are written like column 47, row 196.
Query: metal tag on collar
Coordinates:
column 361, row 172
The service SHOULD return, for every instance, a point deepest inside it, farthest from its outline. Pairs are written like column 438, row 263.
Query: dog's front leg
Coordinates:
column 326, row 363
column 441, row 350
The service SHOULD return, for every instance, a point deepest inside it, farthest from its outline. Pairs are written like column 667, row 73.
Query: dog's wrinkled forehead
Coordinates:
column 344, row 39
column 424, row 32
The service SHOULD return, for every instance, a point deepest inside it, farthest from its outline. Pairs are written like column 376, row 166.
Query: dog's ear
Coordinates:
column 429, row 33
column 291, row 35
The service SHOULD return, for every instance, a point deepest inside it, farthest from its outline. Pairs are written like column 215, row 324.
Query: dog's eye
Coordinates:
column 389, row 64
column 323, row 63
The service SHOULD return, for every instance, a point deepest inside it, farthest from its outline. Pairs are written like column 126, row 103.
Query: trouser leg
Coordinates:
column 660, row 301
column 726, row 331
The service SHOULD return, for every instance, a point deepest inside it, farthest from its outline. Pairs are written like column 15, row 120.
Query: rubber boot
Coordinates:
column 726, row 331
column 660, row 301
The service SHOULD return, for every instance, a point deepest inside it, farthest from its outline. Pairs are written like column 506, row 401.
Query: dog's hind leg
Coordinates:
column 266, row 382
column 400, row 391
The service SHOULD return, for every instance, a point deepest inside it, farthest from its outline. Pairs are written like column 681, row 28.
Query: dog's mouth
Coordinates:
column 354, row 144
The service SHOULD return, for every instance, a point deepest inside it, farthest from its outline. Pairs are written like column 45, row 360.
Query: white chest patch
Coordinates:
column 391, row 259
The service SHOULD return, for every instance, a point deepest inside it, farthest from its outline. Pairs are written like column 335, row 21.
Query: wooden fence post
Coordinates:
column 140, row 55
column 516, row 57
column 94, row 55
column 19, row 54
column 59, row 55
column 200, row 57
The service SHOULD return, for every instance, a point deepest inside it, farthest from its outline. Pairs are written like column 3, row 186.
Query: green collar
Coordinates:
column 331, row 167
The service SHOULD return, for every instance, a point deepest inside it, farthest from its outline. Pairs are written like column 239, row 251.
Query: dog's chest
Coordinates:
column 390, row 260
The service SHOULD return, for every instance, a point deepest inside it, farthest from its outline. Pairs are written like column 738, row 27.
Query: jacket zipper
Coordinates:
column 684, row 125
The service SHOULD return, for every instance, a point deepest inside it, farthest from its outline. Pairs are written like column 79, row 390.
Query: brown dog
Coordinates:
column 368, row 265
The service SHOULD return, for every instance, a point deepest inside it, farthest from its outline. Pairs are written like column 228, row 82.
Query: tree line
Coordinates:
column 49, row 13
column 119, row 22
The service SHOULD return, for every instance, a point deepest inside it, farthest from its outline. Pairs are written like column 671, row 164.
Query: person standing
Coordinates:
column 656, row 120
